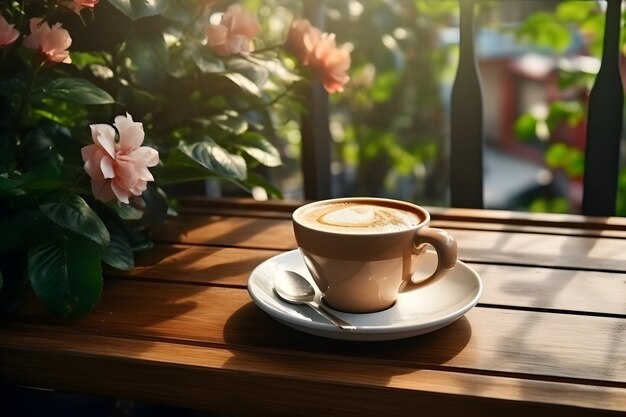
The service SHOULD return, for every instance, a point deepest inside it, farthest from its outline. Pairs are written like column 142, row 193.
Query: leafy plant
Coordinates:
column 203, row 83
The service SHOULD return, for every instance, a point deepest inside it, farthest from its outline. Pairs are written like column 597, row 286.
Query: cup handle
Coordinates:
column 446, row 248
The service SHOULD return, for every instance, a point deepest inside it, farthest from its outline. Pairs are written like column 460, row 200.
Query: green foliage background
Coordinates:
column 390, row 125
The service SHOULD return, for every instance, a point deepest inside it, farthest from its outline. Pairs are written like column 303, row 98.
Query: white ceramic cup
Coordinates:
column 363, row 269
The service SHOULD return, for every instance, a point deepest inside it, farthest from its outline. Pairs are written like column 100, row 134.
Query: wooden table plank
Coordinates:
column 208, row 205
column 196, row 264
column 514, row 286
column 603, row 254
column 556, row 229
column 553, row 289
column 210, row 377
column 227, row 231
column 491, row 340
column 476, row 217
column 474, row 245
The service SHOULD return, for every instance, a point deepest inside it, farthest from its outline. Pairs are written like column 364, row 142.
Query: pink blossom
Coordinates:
column 78, row 5
column 331, row 63
column 320, row 52
column 302, row 38
column 235, row 32
column 51, row 42
column 8, row 34
column 118, row 168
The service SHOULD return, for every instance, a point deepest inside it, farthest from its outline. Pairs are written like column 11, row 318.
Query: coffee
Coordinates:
column 359, row 217
column 362, row 252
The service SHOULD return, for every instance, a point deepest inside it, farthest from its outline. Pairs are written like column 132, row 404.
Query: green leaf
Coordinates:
column 575, row 163
column 75, row 90
column 255, row 145
column 156, row 204
column 46, row 178
column 570, row 159
column 12, row 87
column 118, row 252
column 525, row 127
column 570, row 112
column 575, row 11
column 230, row 122
column 138, row 240
column 384, row 86
column 37, row 149
column 542, row 29
column 593, row 28
column 550, row 205
column 252, row 71
column 71, row 212
column 65, row 273
column 257, row 180
column 136, row 9
column 207, row 63
column 10, row 186
column 556, row 155
column 19, row 229
column 149, row 56
column 83, row 59
column 126, row 211
column 244, row 83
column 202, row 160
column 217, row 159
column 250, row 77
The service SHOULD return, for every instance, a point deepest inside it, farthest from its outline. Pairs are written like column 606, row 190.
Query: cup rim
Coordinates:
column 425, row 214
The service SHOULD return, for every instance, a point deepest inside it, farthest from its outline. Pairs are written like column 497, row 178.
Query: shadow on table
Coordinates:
column 251, row 327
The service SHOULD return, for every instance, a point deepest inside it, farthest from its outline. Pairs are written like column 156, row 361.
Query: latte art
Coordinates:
column 356, row 217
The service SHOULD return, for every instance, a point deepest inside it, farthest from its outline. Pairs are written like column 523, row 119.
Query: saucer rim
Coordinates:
column 322, row 328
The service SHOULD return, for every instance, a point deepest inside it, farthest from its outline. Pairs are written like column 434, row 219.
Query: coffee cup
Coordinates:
column 363, row 252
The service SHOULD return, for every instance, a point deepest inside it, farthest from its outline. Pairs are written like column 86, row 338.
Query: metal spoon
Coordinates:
column 294, row 288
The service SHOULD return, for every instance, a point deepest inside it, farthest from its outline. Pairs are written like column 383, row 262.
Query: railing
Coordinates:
column 604, row 123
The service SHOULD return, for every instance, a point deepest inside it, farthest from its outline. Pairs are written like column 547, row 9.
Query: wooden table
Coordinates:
column 547, row 338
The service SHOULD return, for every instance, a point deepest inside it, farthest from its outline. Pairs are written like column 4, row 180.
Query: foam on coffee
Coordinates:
column 359, row 217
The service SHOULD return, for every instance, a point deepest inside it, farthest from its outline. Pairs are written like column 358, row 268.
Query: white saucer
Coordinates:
column 424, row 310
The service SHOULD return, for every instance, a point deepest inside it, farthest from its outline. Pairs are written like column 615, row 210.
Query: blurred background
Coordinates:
column 537, row 62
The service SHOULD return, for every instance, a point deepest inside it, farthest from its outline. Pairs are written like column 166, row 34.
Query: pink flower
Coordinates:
column 302, row 38
column 51, row 42
column 78, row 5
column 234, row 33
column 118, row 168
column 8, row 34
column 320, row 52
column 330, row 63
